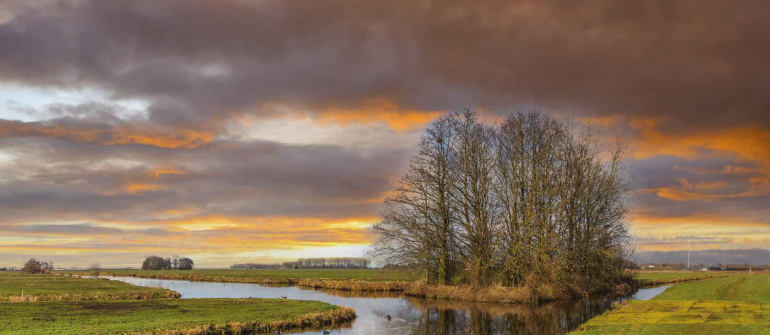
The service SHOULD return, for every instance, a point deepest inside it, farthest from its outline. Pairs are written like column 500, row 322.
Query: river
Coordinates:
column 412, row 315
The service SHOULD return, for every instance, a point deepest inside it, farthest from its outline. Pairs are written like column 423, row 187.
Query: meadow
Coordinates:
column 647, row 277
column 737, row 304
column 166, row 316
column 49, row 287
column 59, row 304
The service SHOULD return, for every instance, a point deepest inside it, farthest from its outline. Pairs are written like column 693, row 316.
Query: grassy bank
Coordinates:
column 653, row 278
column 49, row 287
column 339, row 279
column 178, row 316
column 736, row 304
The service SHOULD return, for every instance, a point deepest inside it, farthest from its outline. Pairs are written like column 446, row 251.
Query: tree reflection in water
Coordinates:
column 454, row 317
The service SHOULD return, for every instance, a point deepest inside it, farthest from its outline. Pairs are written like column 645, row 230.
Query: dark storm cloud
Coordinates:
column 699, row 63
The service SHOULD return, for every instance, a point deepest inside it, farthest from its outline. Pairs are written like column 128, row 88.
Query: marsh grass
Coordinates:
column 354, row 285
column 498, row 294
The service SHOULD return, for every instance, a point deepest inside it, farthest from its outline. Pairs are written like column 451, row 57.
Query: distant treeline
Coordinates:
column 333, row 263
column 311, row 263
column 697, row 266
column 256, row 266
column 174, row 263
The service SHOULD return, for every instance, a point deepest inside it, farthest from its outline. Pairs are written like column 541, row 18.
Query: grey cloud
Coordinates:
column 697, row 64
column 79, row 229
column 66, row 178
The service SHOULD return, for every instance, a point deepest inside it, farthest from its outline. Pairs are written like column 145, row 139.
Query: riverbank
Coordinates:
column 533, row 292
column 372, row 280
column 736, row 304
column 656, row 278
column 169, row 317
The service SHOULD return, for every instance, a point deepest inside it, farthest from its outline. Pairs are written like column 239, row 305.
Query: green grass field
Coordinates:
column 146, row 316
column 737, row 304
column 278, row 274
column 654, row 278
column 50, row 287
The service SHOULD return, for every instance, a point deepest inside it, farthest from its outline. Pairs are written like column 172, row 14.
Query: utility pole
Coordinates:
column 689, row 244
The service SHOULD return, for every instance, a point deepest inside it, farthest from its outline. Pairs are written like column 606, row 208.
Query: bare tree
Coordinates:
column 472, row 197
column 417, row 225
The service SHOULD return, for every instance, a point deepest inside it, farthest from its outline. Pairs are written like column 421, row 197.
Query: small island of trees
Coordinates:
column 526, row 199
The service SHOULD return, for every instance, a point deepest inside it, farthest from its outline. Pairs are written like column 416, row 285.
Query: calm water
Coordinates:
column 412, row 315
column 649, row 293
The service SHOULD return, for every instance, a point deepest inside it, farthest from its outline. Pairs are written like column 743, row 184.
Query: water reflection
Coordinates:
column 453, row 317
column 649, row 293
column 409, row 315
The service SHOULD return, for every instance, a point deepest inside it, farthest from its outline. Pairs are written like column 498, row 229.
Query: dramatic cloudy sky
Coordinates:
column 235, row 130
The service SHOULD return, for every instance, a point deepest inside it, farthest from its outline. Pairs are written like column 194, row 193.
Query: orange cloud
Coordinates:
column 157, row 172
column 221, row 235
column 134, row 188
column 381, row 110
column 749, row 143
column 371, row 111
column 180, row 138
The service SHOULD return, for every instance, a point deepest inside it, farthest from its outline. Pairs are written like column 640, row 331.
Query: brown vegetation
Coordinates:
column 164, row 294
column 336, row 317
column 354, row 285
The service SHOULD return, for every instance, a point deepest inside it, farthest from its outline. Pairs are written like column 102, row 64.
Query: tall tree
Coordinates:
column 472, row 194
column 418, row 222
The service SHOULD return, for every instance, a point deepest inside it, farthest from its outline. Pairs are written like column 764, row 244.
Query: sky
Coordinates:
column 235, row 131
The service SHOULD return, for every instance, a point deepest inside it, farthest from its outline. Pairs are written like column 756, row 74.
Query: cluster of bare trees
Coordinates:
column 333, row 263
column 494, row 203
column 174, row 263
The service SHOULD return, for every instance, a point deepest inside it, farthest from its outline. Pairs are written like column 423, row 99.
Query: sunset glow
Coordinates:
column 266, row 131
